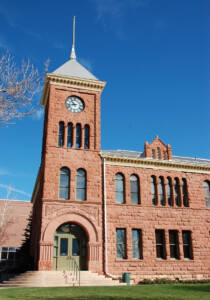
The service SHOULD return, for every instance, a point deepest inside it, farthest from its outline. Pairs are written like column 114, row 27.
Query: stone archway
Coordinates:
column 46, row 242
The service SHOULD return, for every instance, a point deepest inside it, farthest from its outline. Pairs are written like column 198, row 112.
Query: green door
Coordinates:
column 69, row 247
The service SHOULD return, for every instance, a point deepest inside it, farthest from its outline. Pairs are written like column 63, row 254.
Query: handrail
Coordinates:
column 74, row 267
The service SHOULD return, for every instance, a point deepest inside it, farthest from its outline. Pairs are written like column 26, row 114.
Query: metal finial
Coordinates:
column 73, row 54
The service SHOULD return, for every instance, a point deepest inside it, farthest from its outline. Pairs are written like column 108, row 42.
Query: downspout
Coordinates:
column 105, row 221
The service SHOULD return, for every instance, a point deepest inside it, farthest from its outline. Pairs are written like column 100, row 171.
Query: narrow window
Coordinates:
column 153, row 153
column 137, row 243
column 61, row 134
column 158, row 152
column 87, row 137
column 64, row 183
column 78, row 136
column 161, row 191
column 69, row 135
column 187, row 244
column 134, row 189
column 153, row 190
column 164, row 155
column 169, row 192
column 206, row 186
column 119, row 188
column 120, row 243
column 184, row 193
column 177, row 192
column 81, row 185
column 160, row 244
column 174, row 244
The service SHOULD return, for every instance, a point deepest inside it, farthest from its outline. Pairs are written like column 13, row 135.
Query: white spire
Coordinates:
column 73, row 54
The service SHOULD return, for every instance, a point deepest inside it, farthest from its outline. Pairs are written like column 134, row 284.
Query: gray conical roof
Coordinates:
column 74, row 69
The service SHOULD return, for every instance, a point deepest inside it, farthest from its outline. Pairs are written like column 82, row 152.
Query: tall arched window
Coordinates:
column 119, row 188
column 169, row 191
column 78, row 136
column 153, row 190
column 134, row 189
column 184, row 193
column 161, row 191
column 64, row 185
column 81, row 185
column 86, row 137
column 177, row 192
column 61, row 134
column 206, row 186
column 69, row 135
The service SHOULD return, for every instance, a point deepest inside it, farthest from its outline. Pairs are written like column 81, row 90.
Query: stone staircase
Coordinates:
column 59, row 279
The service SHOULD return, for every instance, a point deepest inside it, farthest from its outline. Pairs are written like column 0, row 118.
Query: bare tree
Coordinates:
column 5, row 218
column 18, row 85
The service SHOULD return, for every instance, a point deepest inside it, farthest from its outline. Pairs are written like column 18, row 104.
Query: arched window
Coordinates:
column 69, row 135
column 87, row 137
column 206, row 186
column 184, row 193
column 64, row 185
column 161, row 191
column 169, row 191
column 81, row 185
column 119, row 188
column 134, row 189
column 153, row 190
column 177, row 192
column 78, row 136
column 61, row 134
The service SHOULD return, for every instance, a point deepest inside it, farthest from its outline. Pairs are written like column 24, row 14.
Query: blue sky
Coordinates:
column 154, row 55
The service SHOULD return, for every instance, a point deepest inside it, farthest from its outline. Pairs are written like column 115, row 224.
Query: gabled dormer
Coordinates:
column 158, row 150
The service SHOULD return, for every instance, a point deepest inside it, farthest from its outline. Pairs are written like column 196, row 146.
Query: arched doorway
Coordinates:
column 70, row 246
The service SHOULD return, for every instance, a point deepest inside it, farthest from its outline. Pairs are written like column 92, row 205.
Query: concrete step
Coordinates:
column 59, row 278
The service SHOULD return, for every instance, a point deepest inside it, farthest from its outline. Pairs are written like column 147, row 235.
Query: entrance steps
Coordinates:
column 59, row 279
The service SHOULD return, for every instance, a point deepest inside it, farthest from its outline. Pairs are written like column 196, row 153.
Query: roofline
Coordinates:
column 70, row 81
column 157, row 164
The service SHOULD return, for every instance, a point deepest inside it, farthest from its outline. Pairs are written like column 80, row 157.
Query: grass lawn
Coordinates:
column 152, row 292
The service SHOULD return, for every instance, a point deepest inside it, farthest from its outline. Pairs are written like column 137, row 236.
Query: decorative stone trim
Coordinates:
column 156, row 164
column 74, row 82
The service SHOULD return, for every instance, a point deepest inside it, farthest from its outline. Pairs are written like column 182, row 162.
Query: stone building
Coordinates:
column 146, row 213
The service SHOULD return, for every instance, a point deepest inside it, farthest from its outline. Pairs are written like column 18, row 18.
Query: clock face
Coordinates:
column 74, row 104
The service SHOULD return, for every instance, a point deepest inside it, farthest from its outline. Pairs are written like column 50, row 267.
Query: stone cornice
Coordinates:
column 155, row 164
column 81, row 83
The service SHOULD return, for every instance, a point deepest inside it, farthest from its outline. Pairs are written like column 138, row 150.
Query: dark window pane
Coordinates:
column 187, row 245
column 174, row 245
column 161, row 191
column 64, row 183
column 64, row 247
column 75, row 247
column 61, row 134
column 169, row 192
column 78, row 136
column 206, row 186
column 160, row 244
column 177, row 192
column 184, row 193
column 134, row 189
column 69, row 135
column 153, row 190
column 120, row 243
column 119, row 188
column 136, row 243
column 86, row 137
column 81, row 185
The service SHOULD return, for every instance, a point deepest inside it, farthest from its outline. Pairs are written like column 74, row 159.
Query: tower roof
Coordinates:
column 72, row 67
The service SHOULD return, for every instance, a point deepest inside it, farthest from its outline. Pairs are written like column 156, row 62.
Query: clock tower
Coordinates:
column 67, row 198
